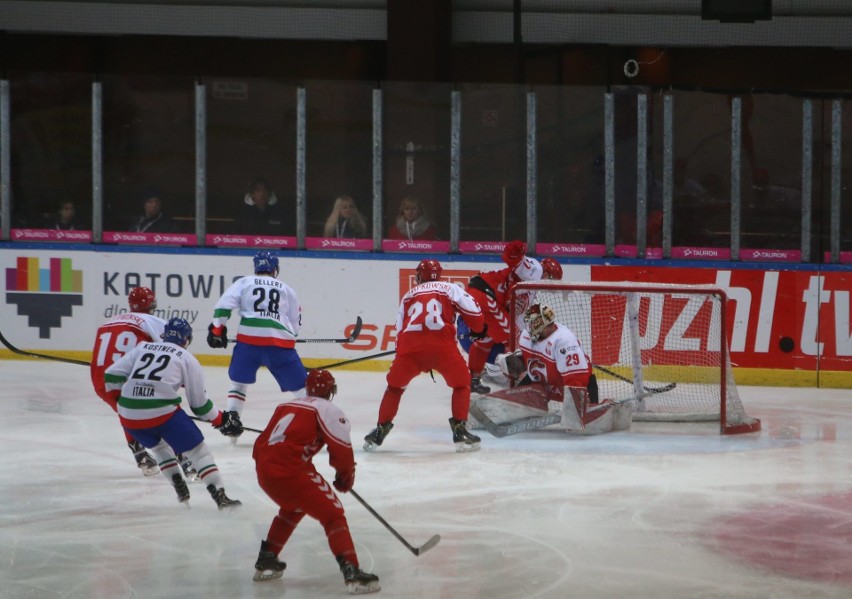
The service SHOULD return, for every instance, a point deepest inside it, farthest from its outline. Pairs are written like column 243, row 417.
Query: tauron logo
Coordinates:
column 44, row 295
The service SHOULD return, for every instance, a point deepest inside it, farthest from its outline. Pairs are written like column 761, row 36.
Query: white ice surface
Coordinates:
column 662, row 510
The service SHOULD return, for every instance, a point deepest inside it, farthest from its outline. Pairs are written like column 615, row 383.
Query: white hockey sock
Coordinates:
column 165, row 459
column 202, row 459
column 237, row 397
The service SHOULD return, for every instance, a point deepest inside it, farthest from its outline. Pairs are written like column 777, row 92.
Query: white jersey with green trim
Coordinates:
column 269, row 311
column 150, row 378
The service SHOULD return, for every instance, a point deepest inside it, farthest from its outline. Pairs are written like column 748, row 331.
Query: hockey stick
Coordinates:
column 350, row 339
column 415, row 550
column 21, row 352
column 615, row 375
column 245, row 428
column 530, row 423
column 354, row 360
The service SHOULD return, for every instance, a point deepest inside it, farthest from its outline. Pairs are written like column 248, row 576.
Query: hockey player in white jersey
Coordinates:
column 270, row 320
column 146, row 385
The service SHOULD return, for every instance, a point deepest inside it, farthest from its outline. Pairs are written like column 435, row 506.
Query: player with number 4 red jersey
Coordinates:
column 426, row 340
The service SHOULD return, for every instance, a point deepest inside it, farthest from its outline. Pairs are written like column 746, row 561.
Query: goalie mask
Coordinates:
column 537, row 318
column 429, row 270
column 321, row 383
column 142, row 299
column 552, row 269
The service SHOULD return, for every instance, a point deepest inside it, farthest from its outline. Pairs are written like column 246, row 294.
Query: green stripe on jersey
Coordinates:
column 263, row 323
column 146, row 404
column 205, row 409
column 221, row 312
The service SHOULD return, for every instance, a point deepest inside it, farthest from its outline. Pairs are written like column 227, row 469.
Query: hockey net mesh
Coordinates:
column 671, row 351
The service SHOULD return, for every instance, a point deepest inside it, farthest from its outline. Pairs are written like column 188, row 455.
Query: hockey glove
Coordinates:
column 344, row 481
column 229, row 424
column 217, row 337
column 481, row 334
column 514, row 253
column 511, row 365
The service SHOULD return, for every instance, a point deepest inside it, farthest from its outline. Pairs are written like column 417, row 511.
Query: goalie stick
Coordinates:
column 415, row 550
column 30, row 354
column 620, row 377
column 356, row 330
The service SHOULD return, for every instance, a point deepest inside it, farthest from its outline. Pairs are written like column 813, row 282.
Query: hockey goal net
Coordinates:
column 664, row 343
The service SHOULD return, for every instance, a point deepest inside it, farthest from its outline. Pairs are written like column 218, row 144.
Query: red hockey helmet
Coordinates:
column 142, row 299
column 429, row 270
column 552, row 269
column 321, row 383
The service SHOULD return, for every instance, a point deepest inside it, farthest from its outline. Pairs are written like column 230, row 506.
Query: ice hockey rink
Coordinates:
column 662, row 510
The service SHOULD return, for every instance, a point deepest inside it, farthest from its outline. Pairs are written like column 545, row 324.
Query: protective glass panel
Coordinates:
column 251, row 156
column 148, row 152
column 416, row 160
column 51, row 132
column 339, row 179
column 570, row 164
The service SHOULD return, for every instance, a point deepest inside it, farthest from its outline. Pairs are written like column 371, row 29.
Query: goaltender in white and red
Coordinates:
column 550, row 355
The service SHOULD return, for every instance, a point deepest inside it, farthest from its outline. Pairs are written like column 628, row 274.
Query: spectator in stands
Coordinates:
column 261, row 214
column 65, row 219
column 153, row 219
column 411, row 222
column 345, row 221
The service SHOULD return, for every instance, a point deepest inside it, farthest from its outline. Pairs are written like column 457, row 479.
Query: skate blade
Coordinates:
column 265, row 575
column 150, row 471
column 191, row 477
column 371, row 447
column 467, row 447
column 230, row 507
column 360, row 588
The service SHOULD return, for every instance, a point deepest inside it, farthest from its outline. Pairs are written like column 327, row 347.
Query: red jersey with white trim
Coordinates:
column 116, row 337
column 427, row 316
column 557, row 360
column 500, row 281
column 297, row 431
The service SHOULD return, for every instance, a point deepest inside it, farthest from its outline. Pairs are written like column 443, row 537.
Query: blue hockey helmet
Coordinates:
column 178, row 331
column 265, row 262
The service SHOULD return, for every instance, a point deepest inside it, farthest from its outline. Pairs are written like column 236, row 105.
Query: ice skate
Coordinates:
column 357, row 581
column 465, row 440
column 189, row 471
column 146, row 463
column 267, row 566
column 223, row 502
column 180, row 488
column 476, row 385
column 377, row 436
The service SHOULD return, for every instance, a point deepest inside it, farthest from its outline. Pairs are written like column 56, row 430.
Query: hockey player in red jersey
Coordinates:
column 116, row 337
column 426, row 340
column 490, row 290
column 284, row 454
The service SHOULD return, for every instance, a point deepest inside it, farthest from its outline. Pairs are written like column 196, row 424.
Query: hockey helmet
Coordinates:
column 321, row 383
column 429, row 270
column 552, row 269
column 142, row 299
column 177, row 331
column 265, row 262
column 537, row 318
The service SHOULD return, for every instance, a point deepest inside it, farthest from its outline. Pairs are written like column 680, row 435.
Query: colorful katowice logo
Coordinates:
column 44, row 295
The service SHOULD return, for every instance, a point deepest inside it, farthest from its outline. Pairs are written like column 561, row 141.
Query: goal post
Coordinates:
column 665, row 343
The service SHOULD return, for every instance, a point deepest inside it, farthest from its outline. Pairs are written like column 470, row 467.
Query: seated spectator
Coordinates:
column 345, row 222
column 153, row 219
column 65, row 218
column 411, row 223
column 261, row 214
